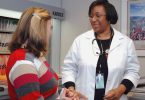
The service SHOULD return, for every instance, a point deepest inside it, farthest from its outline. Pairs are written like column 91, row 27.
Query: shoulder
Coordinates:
column 85, row 36
column 122, row 36
column 15, row 56
column 18, row 54
column 88, row 34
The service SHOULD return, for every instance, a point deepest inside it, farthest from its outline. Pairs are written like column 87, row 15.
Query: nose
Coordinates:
column 93, row 19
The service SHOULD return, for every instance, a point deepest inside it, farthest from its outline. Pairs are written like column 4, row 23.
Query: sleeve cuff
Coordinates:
column 128, row 84
column 68, row 84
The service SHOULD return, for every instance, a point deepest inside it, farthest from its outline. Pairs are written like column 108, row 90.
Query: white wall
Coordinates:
column 55, row 46
column 55, row 3
column 76, row 21
column 117, row 4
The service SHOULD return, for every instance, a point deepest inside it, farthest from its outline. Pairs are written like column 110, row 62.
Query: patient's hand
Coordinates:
column 62, row 95
column 74, row 95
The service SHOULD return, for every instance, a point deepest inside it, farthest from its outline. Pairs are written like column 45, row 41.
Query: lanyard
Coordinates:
column 100, row 69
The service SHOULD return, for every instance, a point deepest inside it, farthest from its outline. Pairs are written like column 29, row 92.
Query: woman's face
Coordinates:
column 98, row 19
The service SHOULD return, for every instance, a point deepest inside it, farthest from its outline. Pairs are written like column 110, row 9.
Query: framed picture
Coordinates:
column 136, row 23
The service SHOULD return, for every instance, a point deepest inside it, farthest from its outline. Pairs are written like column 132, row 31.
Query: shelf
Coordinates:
column 7, row 32
column 8, row 25
column 9, row 18
column 4, row 94
column 5, row 53
column 4, row 42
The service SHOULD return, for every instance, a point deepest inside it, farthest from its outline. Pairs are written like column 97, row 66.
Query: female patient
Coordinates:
column 29, row 75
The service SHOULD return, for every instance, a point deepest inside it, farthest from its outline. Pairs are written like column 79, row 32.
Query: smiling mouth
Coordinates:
column 95, row 25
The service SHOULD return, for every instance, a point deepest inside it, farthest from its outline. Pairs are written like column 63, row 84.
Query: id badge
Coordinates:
column 100, row 81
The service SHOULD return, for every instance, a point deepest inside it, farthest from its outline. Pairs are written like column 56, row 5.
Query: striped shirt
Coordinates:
column 30, row 78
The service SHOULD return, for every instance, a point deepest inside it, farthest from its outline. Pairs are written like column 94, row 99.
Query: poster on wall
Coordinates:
column 3, row 64
column 136, row 23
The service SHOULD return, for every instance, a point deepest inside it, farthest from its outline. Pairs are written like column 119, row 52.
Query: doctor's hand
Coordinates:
column 112, row 95
column 72, row 93
column 115, row 94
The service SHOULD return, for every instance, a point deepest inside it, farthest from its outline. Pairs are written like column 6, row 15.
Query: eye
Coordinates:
column 97, row 15
column 91, row 16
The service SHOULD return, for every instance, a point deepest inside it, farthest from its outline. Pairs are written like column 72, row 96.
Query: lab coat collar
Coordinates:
column 115, row 41
column 89, row 34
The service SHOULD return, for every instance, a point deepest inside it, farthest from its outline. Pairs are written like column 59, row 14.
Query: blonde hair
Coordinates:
column 32, row 31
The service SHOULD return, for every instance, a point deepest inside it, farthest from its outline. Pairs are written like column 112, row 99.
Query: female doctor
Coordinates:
column 102, row 62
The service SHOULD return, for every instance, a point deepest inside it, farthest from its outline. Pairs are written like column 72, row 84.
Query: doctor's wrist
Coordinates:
column 128, row 84
column 121, row 89
column 72, row 88
column 69, row 84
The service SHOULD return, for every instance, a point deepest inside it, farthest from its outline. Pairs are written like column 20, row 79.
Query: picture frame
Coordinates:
column 136, row 23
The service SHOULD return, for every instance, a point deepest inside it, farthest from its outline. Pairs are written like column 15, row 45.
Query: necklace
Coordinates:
column 105, row 52
column 101, row 48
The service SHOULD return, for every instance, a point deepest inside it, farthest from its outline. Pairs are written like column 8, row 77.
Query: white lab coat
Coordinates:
column 81, row 60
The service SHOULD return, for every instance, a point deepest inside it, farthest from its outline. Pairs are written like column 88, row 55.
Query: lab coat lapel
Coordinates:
column 95, row 46
column 116, row 40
